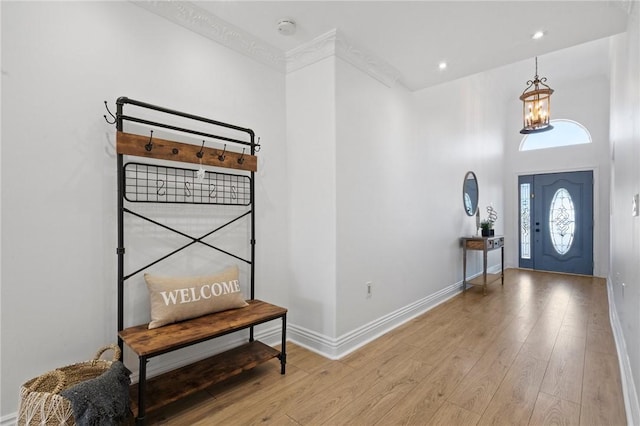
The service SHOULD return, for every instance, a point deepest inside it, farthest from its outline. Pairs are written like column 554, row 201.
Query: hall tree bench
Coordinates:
column 157, row 183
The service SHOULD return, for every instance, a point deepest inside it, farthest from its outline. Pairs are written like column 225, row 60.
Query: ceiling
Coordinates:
column 413, row 37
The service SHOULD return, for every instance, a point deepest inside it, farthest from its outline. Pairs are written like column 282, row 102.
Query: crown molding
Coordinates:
column 314, row 51
column 336, row 43
column 198, row 20
column 366, row 61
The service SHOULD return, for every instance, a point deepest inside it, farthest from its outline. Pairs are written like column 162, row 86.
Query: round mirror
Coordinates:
column 470, row 193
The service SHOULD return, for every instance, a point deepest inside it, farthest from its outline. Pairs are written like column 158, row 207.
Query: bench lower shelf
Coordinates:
column 176, row 384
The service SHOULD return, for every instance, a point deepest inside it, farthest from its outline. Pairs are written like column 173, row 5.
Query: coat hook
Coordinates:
column 200, row 154
column 241, row 159
column 105, row 116
column 149, row 145
column 258, row 145
column 222, row 156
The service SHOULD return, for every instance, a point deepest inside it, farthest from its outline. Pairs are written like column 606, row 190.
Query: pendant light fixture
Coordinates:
column 536, row 105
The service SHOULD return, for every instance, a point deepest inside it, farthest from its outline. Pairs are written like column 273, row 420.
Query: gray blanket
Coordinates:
column 102, row 401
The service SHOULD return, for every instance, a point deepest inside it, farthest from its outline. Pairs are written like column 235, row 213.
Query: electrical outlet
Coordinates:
column 369, row 289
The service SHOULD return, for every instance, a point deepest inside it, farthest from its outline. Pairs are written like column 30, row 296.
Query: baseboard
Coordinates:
column 336, row 348
column 631, row 402
column 332, row 348
column 9, row 419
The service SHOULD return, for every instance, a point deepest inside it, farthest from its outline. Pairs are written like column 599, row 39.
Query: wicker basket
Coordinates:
column 40, row 400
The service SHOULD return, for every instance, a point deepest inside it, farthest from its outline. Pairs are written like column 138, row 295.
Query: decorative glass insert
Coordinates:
column 525, row 220
column 562, row 221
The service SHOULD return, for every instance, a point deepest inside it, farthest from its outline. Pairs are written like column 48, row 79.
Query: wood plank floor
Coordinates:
column 538, row 351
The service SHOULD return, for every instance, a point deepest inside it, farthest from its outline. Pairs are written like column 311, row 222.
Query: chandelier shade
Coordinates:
column 536, row 105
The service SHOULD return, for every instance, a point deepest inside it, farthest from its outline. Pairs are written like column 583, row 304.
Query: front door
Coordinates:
column 556, row 222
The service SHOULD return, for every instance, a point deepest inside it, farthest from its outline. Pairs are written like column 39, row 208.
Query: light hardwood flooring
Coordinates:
column 538, row 351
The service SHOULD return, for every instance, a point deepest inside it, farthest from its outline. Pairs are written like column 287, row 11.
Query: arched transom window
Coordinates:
column 564, row 133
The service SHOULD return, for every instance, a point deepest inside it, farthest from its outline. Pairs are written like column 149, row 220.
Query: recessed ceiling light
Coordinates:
column 442, row 65
column 537, row 35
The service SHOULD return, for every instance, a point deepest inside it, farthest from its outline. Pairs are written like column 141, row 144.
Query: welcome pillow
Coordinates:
column 175, row 299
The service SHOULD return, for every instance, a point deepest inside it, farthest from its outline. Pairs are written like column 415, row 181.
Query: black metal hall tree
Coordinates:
column 159, row 183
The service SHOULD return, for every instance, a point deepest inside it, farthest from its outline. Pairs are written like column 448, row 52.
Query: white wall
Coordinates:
column 377, row 197
column 402, row 158
column 583, row 97
column 60, row 61
column 311, row 152
column 624, row 278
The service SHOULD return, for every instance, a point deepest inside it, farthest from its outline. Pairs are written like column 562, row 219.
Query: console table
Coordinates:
column 484, row 244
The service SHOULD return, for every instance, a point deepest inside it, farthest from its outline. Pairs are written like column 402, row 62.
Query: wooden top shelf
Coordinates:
column 145, row 342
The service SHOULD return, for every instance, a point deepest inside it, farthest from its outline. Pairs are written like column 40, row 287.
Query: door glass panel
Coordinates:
column 562, row 221
column 525, row 221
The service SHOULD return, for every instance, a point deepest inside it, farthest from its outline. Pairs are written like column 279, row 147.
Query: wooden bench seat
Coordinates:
column 150, row 343
column 149, row 395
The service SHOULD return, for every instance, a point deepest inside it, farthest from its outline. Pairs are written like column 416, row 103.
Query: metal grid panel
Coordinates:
column 147, row 183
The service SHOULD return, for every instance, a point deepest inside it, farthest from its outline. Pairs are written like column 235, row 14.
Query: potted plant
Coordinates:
column 487, row 228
